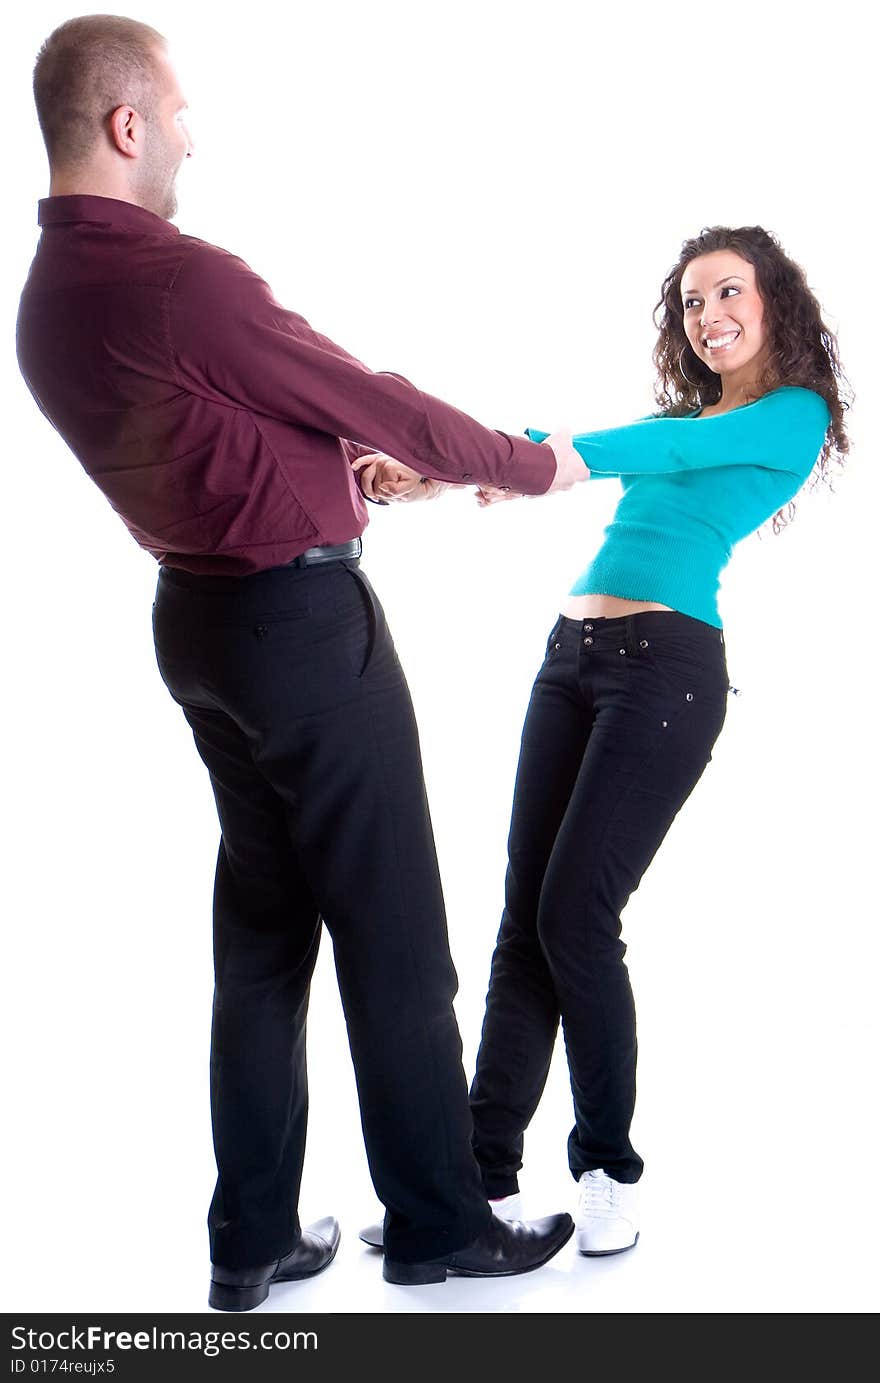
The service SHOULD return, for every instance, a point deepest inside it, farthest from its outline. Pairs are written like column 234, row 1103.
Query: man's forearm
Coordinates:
column 271, row 361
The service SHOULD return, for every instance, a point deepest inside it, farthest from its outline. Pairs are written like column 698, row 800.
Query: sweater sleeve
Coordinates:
column 783, row 431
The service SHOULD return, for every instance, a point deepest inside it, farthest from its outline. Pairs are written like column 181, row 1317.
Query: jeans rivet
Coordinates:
column 557, row 645
column 588, row 641
column 689, row 697
column 643, row 643
column 588, row 628
column 623, row 650
column 664, row 724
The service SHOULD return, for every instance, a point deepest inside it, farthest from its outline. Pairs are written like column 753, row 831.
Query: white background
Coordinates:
column 484, row 197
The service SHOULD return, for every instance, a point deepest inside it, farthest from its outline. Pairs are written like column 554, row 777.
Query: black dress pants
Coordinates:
column 301, row 713
column 621, row 723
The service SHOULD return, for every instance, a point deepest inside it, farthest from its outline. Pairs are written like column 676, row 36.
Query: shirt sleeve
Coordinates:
column 231, row 339
column 783, row 431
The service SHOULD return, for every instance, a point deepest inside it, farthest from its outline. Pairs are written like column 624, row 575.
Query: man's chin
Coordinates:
column 165, row 207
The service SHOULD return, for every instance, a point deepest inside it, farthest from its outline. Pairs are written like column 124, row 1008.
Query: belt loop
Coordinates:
column 631, row 641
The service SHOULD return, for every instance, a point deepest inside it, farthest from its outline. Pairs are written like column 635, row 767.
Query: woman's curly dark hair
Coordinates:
column 803, row 351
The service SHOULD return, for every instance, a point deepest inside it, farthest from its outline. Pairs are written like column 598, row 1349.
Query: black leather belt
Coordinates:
column 342, row 552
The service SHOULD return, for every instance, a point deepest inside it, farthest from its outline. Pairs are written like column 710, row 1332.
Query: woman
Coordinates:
column 632, row 694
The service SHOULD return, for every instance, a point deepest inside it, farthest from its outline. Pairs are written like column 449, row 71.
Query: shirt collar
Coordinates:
column 105, row 211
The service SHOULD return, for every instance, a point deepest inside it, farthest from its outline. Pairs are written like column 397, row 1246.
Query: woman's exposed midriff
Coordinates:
column 605, row 606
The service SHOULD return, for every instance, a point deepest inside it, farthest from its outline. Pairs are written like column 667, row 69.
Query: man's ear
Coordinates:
column 127, row 130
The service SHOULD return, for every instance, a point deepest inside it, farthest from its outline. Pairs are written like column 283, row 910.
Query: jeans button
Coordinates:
column 588, row 641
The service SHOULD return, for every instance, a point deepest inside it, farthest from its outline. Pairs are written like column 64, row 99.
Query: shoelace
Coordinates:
column 599, row 1192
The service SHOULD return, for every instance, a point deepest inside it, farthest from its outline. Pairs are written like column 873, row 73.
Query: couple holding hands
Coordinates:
column 238, row 445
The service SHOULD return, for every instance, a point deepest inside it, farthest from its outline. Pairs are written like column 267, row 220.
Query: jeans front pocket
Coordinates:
column 691, row 666
column 553, row 642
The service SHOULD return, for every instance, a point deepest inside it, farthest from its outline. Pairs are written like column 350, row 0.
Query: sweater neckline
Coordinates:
column 695, row 413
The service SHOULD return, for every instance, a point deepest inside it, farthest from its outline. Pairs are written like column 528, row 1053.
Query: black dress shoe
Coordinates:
column 241, row 1289
column 502, row 1250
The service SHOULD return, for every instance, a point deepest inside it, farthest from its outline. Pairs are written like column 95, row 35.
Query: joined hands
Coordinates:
column 384, row 479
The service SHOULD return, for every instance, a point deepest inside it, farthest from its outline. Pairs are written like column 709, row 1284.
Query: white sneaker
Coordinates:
column 508, row 1208
column 607, row 1215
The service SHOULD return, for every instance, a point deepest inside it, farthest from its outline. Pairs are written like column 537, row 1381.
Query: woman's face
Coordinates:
column 724, row 315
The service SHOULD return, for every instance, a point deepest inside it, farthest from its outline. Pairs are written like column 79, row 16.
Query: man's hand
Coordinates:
column 383, row 478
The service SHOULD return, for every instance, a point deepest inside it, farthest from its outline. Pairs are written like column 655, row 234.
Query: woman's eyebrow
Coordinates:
column 718, row 284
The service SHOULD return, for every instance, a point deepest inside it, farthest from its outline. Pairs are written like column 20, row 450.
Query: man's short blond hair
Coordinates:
column 86, row 68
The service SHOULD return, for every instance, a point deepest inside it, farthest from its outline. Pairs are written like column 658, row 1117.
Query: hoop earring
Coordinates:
column 692, row 382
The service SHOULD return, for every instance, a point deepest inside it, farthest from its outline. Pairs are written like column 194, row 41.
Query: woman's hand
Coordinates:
column 494, row 494
column 570, row 470
column 383, row 478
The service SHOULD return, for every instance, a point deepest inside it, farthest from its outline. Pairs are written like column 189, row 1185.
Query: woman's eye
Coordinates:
column 695, row 302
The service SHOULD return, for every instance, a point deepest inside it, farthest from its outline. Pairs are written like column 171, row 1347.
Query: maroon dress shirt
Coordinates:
column 220, row 425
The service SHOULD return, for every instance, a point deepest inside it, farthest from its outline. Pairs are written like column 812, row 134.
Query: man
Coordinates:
column 217, row 424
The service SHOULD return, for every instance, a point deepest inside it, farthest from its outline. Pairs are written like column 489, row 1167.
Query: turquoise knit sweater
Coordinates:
column 692, row 487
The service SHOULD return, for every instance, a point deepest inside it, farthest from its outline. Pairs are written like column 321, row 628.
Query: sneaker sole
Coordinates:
column 606, row 1253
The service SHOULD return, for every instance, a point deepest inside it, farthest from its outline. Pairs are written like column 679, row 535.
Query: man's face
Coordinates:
column 168, row 143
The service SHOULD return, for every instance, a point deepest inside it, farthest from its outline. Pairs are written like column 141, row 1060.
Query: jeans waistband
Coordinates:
column 628, row 631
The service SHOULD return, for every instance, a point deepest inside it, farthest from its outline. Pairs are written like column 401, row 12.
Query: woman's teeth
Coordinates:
column 721, row 343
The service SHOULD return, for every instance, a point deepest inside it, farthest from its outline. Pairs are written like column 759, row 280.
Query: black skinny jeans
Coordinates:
column 621, row 723
column 300, row 710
